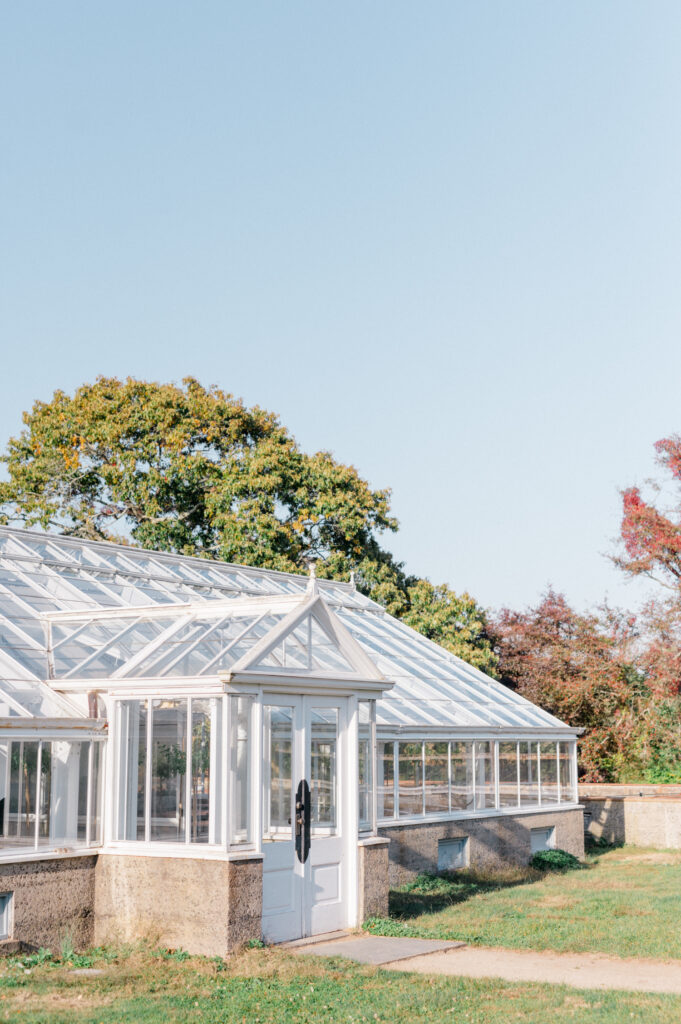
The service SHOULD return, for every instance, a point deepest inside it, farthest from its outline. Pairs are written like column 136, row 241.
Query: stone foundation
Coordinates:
column 53, row 902
column 495, row 843
column 204, row 906
column 373, row 878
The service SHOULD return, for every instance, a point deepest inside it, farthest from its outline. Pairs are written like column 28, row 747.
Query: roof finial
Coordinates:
column 312, row 587
column 353, row 582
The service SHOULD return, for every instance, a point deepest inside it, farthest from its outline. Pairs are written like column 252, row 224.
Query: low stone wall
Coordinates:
column 495, row 843
column 638, row 815
column 53, row 901
column 206, row 906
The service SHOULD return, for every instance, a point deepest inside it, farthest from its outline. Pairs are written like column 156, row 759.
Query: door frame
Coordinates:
column 347, row 775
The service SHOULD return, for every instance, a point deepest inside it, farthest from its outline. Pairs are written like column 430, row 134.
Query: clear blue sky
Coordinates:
column 441, row 240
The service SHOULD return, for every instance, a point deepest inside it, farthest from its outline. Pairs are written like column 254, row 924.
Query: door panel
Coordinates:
column 303, row 744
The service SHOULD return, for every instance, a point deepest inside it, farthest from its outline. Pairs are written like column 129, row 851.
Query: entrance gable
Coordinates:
column 310, row 641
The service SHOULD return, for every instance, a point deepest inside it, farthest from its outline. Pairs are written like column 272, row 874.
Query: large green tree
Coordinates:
column 190, row 469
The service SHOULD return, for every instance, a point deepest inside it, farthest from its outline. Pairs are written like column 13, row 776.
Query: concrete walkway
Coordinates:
column 424, row 956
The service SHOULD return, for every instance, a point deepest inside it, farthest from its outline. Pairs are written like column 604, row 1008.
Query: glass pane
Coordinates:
column 508, row 774
column 22, row 793
column 549, row 773
column 462, row 776
column 529, row 789
column 240, row 764
column 45, row 794
column 168, row 770
column 201, row 734
column 69, row 770
column 132, row 731
column 323, row 762
column 280, row 721
column 365, row 765
column 437, row 778
column 567, row 785
column 83, row 763
column 4, row 794
column 484, row 775
column 96, row 793
column 410, row 791
column 385, row 783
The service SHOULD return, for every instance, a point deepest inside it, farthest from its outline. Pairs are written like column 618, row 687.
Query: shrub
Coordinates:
column 554, row 860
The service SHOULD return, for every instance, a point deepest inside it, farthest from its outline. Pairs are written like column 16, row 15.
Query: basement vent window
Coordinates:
column 5, row 915
column 452, row 854
column 542, row 839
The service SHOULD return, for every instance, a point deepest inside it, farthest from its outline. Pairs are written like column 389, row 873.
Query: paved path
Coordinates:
column 424, row 956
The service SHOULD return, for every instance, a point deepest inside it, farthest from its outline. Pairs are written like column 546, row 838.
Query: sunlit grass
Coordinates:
column 625, row 902
column 140, row 986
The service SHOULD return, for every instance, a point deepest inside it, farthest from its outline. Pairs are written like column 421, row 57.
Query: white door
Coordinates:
column 305, row 833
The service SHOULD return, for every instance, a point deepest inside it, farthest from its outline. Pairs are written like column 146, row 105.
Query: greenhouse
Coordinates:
column 272, row 750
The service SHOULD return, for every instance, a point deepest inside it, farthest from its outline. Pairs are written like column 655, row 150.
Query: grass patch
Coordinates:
column 626, row 904
column 142, row 986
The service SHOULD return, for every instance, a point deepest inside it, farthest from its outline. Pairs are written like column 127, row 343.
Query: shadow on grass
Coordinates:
column 428, row 894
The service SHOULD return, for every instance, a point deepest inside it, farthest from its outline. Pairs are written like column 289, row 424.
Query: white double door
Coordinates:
column 305, row 823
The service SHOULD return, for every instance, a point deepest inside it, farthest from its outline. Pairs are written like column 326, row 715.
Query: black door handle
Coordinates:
column 303, row 821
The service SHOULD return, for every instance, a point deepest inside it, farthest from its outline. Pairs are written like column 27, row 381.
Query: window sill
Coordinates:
column 497, row 812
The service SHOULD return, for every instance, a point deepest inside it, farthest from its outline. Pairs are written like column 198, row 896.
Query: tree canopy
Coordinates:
column 192, row 470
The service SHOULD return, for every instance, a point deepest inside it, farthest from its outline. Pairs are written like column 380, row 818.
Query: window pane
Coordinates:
column 437, row 778
column 549, row 773
column 529, row 790
column 132, row 730
column 280, row 721
column 240, row 764
column 508, row 775
column 168, row 770
column 83, row 763
column 96, row 793
column 45, row 794
column 22, row 793
column 567, row 784
column 323, row 763
column 385, row 783
column 201, row 737
column 4, row 794
column 462, row 776
column 365, row 765
column 69, row 763
column 484, row 775
column 410, row 792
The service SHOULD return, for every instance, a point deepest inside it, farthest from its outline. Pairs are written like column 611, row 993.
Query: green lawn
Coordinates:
column 626, row 902
column 270, row 987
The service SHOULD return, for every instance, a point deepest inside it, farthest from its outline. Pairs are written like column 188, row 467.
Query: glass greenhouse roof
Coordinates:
column 80, row 610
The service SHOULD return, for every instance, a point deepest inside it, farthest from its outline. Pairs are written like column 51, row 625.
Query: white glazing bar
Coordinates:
column 517, row 766
column 449, row 775
column 538, row 746
column 558, row 792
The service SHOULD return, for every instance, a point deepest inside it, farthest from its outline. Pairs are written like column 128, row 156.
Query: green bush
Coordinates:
column 554, row 860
